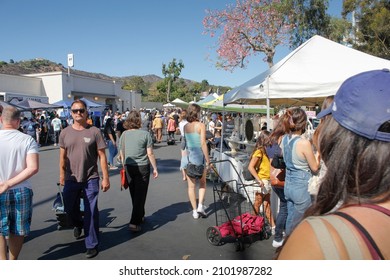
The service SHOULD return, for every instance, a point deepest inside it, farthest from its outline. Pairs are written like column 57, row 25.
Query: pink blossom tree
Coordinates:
column 247, row 28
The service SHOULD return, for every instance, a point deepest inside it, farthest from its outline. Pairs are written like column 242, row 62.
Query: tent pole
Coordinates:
column 222, row 132
column 268, row 104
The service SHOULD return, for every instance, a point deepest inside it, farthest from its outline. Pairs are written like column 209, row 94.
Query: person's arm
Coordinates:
column 252, row 169
column 111, row 137
column 304, row 146
column 204, row 144
column 62, row 165
column 152, row 160
column 104, row 167
column 32, row 168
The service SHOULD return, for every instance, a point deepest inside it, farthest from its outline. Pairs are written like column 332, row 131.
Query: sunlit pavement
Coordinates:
column 169, row 231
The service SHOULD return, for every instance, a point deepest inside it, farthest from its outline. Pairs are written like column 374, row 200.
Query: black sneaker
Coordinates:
column 77, row 232
column 91, row 253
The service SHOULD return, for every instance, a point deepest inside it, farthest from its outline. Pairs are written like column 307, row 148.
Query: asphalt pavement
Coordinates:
column 169, row 231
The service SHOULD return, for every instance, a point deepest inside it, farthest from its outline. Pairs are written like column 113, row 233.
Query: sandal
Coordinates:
column 134, row 228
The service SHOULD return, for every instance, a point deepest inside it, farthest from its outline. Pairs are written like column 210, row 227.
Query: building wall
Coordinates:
column 59, row 86
column 21, row 84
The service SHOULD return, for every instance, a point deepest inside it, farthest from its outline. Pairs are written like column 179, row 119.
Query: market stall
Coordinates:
column 306, row 76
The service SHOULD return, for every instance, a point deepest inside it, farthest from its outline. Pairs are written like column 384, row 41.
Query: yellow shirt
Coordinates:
column 265, row 166
column 157, row 122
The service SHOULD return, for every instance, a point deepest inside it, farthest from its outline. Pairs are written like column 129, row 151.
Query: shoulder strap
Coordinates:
column 326, row 242
column 324, row 238
column 376, row 207
column 123, row 143
column 373, row 248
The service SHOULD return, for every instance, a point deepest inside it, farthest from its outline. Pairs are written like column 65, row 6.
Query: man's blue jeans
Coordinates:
column 90, row 192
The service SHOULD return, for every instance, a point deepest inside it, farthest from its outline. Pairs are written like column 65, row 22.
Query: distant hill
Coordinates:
column 41, row 65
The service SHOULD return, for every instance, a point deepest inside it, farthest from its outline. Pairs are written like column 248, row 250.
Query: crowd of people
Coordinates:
column 349, row 151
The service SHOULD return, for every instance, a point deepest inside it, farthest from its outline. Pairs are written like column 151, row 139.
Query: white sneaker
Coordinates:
column 277, row 244
column 201, row 211
column 273, row 230
column 195, row 214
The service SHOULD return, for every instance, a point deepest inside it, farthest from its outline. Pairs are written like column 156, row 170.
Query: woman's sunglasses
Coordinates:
column 75, row 111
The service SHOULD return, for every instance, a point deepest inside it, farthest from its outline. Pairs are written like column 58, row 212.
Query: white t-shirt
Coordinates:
column 181, row 126
column 211, row 126
column 56, row 124
column 15, row 146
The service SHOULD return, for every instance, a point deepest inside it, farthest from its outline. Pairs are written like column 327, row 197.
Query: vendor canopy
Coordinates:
column 311, row 72
column 217, row 105
column 180, row 103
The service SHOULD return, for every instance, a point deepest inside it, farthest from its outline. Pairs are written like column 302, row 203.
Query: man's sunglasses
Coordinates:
column 75, row 111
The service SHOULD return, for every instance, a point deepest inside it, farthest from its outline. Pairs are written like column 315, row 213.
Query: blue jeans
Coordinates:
column 112, row 152
column 90, row 191
column 280, row 223
column 297, row 196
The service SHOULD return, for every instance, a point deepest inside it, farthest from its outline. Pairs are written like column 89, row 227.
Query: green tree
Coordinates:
column 135, row 83
column 171, row 73
column 309, row 18
column 155, row 93
column 338, row 29
column 372, row 29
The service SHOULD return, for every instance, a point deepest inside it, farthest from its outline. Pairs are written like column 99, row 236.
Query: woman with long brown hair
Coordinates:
column 197, row 153
column 300, row 163
column 259, row 167
column 354, row 143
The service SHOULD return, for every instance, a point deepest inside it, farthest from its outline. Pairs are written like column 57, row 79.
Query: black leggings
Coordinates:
column 138, row 177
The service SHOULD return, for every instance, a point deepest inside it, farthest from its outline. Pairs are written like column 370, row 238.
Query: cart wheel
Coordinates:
column 239, row 246
column 214, row 236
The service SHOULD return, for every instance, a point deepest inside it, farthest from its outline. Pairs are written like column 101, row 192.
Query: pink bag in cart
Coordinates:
column 242, row 225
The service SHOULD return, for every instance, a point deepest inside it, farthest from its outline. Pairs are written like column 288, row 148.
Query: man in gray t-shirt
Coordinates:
column 81, row 146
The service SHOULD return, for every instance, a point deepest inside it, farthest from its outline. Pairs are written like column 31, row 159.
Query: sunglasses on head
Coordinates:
column 81, row 111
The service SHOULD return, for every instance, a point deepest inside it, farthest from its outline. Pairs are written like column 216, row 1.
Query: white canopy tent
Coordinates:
column 180, row 103
column 311, row 72
column 168, row 105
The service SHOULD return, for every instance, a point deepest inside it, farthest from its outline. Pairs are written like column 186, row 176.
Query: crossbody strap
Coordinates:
column 373, row 206
column 326, row 241
column 373, row 248
column 124, row 149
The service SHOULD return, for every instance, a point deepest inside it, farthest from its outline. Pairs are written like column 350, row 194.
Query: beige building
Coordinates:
column 56, row 86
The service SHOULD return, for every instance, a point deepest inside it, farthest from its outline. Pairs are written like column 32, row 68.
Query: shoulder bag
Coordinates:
column 278, row 162
column 124, row 182
column 277, row 177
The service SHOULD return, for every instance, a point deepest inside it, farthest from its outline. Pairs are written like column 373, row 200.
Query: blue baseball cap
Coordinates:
column 362, row 104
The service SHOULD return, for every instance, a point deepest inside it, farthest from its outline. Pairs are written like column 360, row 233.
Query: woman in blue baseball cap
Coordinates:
column 354, row 143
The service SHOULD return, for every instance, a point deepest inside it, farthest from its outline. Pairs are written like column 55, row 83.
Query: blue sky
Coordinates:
column 122, row 37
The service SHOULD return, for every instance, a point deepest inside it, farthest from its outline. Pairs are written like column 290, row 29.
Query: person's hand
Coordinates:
column 155, row 173
column 3, row 187
column 62, row 181
column 261, row 184
column 105, row 184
